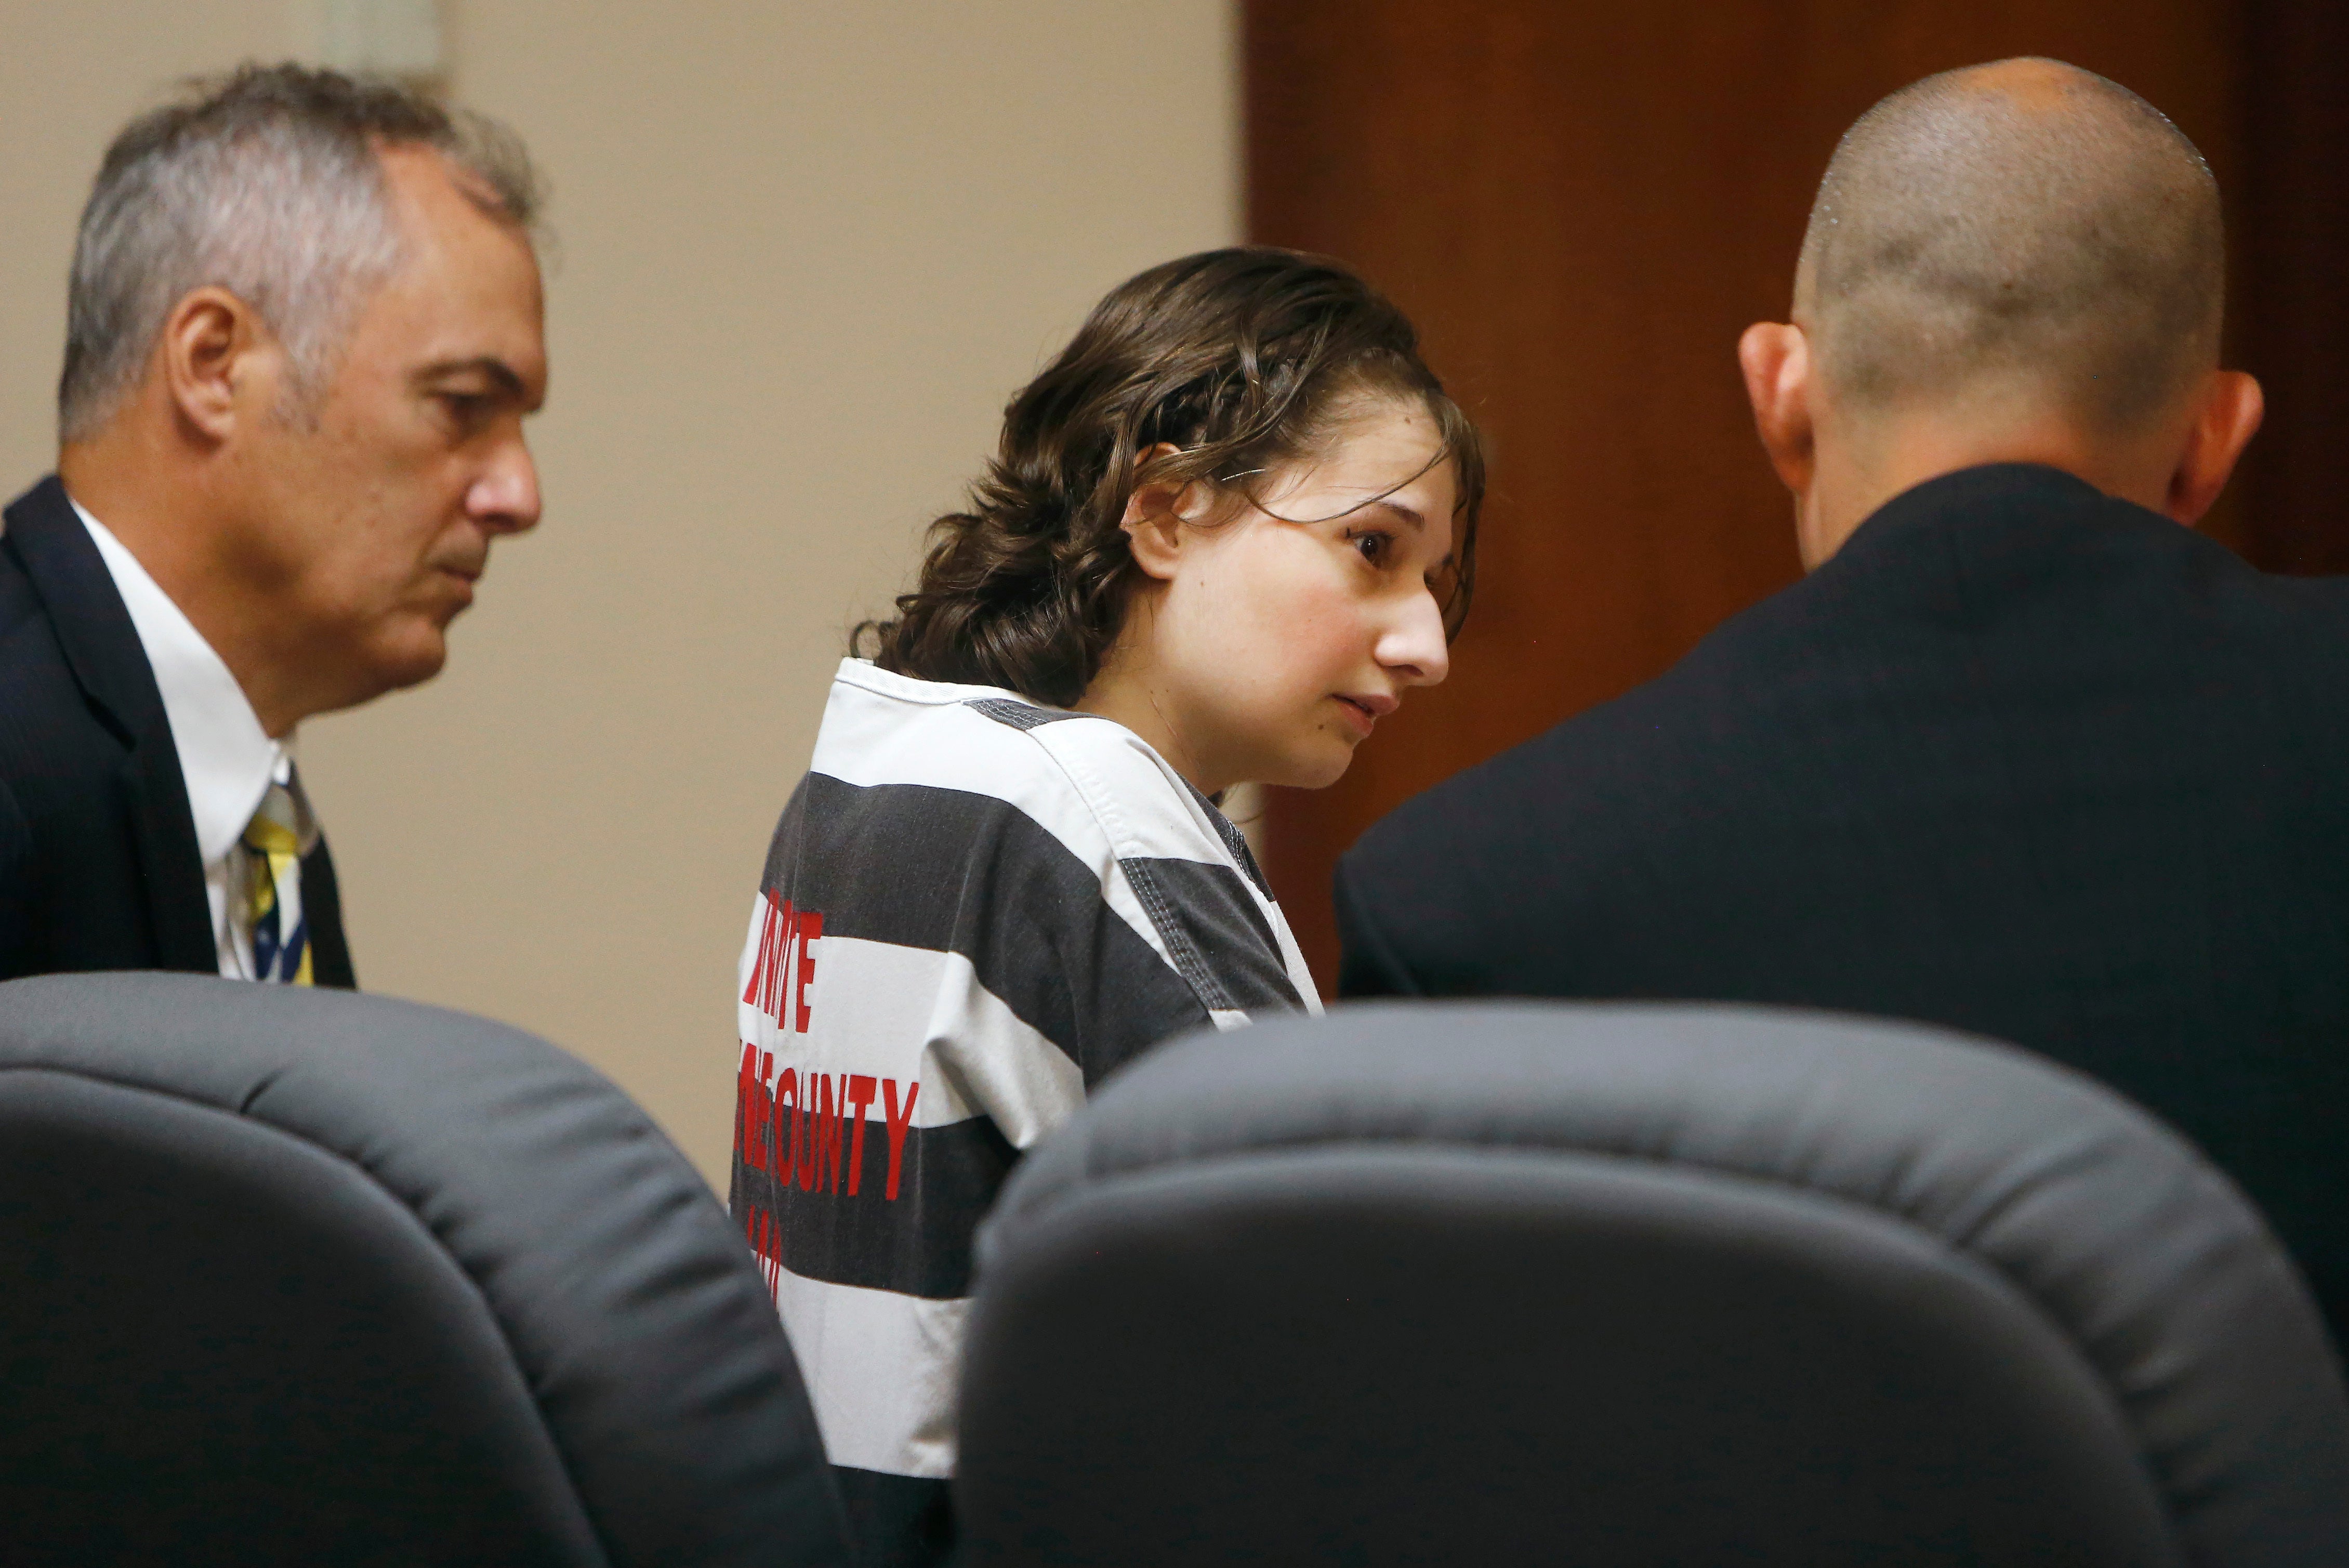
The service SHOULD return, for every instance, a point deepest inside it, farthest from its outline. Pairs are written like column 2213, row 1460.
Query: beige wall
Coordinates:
column 805, row 252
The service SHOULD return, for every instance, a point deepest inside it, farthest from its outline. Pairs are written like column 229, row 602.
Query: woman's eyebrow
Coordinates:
column 1410, row 514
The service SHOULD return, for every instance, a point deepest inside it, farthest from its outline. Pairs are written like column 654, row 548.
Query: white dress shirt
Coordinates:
column 226, row 759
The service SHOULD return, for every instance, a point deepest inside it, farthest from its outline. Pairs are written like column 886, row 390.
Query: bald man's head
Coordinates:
column 2018, row 230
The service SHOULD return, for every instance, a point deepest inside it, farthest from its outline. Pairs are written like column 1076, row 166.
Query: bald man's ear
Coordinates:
column 2226, row 417
column 1776, row 360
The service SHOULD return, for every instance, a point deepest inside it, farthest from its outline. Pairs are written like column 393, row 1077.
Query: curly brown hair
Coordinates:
column 1241, row 360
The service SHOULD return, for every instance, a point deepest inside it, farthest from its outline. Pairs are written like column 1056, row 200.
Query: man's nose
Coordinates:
column 504, row 497
column 1414, row 645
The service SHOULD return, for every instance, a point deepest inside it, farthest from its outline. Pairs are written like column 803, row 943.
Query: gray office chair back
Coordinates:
column 1635, row 1285
column 298, row 1276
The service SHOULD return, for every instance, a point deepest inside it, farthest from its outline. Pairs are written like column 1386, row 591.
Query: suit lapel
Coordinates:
column 173, row 866
column 102, row 648
column 322, row 911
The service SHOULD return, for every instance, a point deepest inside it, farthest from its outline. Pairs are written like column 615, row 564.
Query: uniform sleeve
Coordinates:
column 1217, row 936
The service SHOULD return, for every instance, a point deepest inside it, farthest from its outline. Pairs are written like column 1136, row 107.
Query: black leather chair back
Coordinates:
column 1635, row 1285
column 296, row 1276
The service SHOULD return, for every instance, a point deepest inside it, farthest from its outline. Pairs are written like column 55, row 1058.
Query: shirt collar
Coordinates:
column 227, row 760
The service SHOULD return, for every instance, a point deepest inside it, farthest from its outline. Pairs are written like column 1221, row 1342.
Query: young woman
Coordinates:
column 1228, row 528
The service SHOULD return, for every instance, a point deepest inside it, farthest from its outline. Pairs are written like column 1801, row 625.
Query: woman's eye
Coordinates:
column 1371, row 545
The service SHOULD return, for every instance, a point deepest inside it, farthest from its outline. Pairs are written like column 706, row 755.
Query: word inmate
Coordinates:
column 795, row 1126
column 786, row 964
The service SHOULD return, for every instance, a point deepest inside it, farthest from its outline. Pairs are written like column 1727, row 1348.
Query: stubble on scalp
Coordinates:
column 2022, row 230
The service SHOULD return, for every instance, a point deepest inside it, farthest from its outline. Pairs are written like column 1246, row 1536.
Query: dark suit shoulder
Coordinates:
column 47, row 729
column 2002, row 642
column 102, row 870
column 22, row 614
column 1437, row 888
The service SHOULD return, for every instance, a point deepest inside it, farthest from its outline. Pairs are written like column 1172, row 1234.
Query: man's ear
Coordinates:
column 211, row 353
column 2225, row 419
column 1776, row 360
column 1154, row 518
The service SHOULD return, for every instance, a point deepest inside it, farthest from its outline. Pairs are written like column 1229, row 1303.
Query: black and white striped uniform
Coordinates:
column 974, row 908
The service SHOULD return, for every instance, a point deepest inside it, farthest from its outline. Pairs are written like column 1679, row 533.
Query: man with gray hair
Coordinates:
column 303, row 331
column 2024, row 753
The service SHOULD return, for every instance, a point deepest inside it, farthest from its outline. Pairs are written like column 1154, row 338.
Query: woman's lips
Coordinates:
column 1362, row 712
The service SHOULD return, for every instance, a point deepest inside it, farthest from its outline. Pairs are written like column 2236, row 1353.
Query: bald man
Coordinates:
column 2024, row 753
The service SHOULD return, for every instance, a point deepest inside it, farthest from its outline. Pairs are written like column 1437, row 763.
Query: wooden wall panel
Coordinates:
column 1582, row 205
column 2291, row 263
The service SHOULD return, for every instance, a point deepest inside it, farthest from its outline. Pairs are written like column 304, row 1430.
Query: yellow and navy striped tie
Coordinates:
column 275, row 840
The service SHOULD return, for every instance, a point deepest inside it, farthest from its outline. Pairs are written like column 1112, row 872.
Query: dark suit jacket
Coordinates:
column 98, row 865
column 2020, row 759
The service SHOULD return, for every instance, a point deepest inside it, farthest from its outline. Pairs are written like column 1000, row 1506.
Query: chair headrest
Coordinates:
column 628, row 1298
column 2147, row 1258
